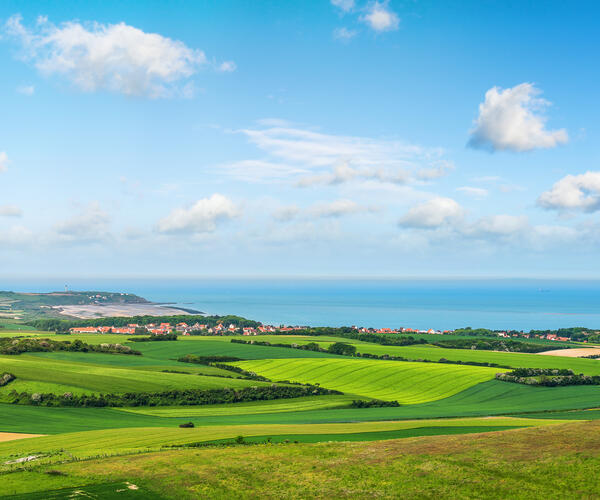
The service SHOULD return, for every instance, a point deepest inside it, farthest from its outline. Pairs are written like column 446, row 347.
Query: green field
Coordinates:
column 118, row 441
column 437, row 399
column 408, row 383
column 37, row 372
column 557, row 461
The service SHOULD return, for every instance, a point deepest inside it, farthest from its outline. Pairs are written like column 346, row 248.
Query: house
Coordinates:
column 84, row 329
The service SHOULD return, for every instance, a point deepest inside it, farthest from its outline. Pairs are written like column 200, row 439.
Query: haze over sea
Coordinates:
column 429, row 303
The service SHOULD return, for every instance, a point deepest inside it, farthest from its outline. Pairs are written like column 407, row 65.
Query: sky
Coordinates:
column 284, row 138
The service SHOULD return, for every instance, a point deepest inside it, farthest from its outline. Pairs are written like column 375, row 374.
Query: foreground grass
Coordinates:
column 548, row 462
column 408, row 383
column 80, row 445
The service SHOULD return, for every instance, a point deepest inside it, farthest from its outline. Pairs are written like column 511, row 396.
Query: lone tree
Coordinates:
column 342, row 348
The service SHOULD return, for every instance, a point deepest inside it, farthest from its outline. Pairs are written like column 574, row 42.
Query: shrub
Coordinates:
column 187, row 425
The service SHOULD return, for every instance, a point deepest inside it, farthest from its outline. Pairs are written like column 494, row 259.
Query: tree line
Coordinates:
column 186, row 397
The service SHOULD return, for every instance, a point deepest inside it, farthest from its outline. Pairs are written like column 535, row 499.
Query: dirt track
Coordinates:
column 11, row 436
column 573, row 353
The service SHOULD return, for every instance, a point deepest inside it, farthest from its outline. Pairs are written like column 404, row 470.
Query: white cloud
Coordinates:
column 345, row 173
column 26, row 89
column 227, row 67
column 113, row 57
column 500, row 225
column 573, row 192
column 202, row 217
column 286, row 214
column 257, row 170
column 10, row 211
column 90, row 225
column 344, row 5
column 338, row 208
column 3, row 161
column 380, row 18
column 344, row 34
column 432, row 213
column 334, row 159
column 475, row 192
column 513, row 120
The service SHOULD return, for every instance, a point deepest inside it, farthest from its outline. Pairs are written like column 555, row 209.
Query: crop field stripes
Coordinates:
column 406, row 382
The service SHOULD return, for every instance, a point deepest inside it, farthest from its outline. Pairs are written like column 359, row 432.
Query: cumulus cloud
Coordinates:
column 335, row 159
column 512, row 120
column 111, row 57
column 380, row 18
column 90, row 225
column 344, row 5
column 202, row 217
column 10, row 211
column 338, row 208
column 432, row 213
column 475, row 192
column 26, row 89
column 573, row 192
column 3, row 161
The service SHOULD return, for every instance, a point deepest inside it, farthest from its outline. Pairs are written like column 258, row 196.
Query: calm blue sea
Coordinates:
column 439, row 304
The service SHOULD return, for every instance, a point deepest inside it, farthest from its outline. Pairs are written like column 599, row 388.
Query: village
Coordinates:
column 186, row 329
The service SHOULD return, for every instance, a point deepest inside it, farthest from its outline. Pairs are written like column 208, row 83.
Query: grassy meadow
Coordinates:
column 555, row 461
column 437, row 402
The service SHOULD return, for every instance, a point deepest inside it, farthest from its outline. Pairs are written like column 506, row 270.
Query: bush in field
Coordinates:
column 548, row 377
column 342, row 348
column 187, row 425
column 18, row 345
column 6, row 378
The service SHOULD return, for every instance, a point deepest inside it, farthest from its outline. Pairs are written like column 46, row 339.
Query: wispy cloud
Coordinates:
column 10, row 211
column 26, row 89
column 3, row 161
column 308, row 158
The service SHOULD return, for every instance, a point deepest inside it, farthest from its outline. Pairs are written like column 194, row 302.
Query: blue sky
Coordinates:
column 339, row 138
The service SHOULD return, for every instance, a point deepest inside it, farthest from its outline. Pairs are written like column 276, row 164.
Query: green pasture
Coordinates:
column 209, row 347
column 408, row 383
column 557, row 461
column 83, row 377
column 133, row 362
column 488, row 398
column 247, row 408
column 119, row 441
column 512, row 359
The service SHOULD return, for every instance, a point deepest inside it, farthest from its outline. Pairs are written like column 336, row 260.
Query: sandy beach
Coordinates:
column 90, row 311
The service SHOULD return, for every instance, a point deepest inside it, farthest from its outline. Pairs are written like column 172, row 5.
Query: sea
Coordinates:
column 443, row 304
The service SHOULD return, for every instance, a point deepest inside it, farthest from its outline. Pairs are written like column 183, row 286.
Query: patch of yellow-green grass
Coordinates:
column 407, row 383
column 247, row 408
